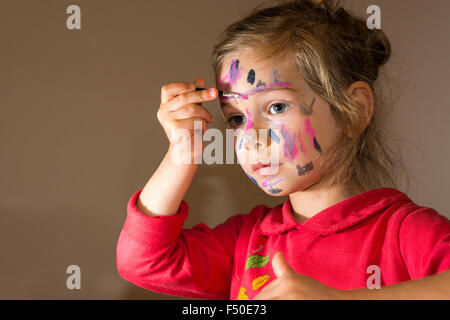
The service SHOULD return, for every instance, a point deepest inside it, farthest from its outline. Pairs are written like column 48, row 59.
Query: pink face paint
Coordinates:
column 302, row 144
column 289, row 147
column 249, row 120
column 312, row 134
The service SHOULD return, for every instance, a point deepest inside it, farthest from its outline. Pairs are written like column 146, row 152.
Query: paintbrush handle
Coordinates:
column 200, row 89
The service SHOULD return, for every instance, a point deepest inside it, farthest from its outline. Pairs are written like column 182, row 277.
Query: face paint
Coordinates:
column 233, row 75
column 274, row 136
column 307, row 110
column 290, row 147
column 251, row 76
column 275, row 76
column 245, row 95
column 271, row 184
column 249, row 120
column 302, row 145
column 301, row 171
column 260, row 84
column 312, row 133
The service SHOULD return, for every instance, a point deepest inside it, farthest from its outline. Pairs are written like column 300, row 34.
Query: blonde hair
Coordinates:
column 331, row 49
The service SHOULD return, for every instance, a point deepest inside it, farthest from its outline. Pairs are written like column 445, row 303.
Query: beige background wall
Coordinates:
column 79, row 132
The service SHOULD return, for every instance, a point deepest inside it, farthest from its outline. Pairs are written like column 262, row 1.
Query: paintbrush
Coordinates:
column 222, row 94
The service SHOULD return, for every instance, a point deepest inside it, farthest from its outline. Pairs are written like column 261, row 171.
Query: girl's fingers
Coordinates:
column 191, row 97
column 173, row 89
column 190, row 111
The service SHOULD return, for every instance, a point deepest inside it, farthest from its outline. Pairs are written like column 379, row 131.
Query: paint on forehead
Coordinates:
column 275, row 74
column 245, row 95
column 260, row 83
column 251, row 76
column 233, row 74
column 312, row 134
column 290, row 147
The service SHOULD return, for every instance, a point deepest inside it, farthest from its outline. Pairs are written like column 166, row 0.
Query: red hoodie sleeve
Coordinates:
column 425, row 243
column 156, row 253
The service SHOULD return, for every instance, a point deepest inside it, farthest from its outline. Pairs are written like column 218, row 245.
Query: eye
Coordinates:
column 278, row 108
column 235, row 121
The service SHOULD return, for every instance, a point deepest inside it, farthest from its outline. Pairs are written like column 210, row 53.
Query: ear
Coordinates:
column 361, row 93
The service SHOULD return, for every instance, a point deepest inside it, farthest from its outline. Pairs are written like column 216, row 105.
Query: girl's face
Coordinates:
column 297, row 124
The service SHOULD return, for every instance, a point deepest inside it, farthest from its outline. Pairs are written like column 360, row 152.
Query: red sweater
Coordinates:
column 380, row 227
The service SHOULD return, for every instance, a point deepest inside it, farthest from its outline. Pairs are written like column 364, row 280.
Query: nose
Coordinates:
column 256, row 138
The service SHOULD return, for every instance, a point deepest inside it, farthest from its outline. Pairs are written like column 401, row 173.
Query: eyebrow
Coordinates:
column 226, row 103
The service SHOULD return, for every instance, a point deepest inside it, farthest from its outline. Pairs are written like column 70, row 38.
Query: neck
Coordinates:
column 309, row 202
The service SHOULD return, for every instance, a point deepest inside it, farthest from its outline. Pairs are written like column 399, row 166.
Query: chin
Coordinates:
column 276, row 192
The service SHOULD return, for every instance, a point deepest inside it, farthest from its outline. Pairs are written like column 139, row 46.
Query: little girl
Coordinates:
column 304, row 71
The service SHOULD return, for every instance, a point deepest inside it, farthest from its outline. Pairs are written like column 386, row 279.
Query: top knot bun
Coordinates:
column 379, row 47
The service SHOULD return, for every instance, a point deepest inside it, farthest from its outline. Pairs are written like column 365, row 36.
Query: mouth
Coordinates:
column 265, row 169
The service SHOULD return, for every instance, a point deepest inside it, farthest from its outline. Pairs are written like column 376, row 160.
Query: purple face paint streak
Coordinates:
column 267, row 182
column 249, row 120
column 290, row 147
column 275, row 76
column 233, row 75
column 312, row 133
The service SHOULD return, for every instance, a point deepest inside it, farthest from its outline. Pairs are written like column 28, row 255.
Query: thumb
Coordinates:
column 279, row 265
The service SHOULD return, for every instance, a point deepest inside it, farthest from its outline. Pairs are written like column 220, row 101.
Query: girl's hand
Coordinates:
column 180, row 107
column 290, row 285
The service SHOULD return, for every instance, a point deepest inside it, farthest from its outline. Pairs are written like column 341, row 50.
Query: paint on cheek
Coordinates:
column 302, row 144
column 251, row 76
column 274, row 136
column 240, row 144
column 290, row 147
column 307, row 110
column 249, row 120
column 253, row 179
column 312, row 133
column 301, row 171
column 270, row 184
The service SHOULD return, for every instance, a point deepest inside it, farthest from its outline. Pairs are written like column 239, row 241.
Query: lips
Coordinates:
column 265, row 169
